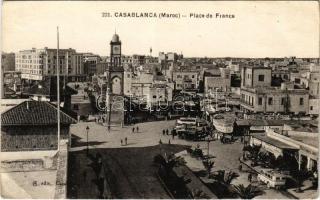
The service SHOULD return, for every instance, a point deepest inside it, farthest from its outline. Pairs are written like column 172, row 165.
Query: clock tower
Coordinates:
column 115, row 70
column 115, row 76
column 115, row 51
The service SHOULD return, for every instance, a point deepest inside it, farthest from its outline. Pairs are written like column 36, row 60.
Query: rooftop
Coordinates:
column 312, row 141
column 34, row 113
column 263, row 137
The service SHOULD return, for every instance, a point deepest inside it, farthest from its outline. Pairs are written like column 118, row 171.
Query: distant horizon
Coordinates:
column 154, row 56
column 259, row 29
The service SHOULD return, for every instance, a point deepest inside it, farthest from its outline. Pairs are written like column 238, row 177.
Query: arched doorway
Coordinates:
column 116, row 85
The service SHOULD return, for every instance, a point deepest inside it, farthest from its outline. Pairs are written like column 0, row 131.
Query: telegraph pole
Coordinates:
column 58, row 89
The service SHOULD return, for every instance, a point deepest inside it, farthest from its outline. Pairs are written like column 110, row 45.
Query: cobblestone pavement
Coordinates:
column 150, row 133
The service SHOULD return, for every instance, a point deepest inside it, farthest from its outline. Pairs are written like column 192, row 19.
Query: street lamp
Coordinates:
column 87, row 129
column 208, row 140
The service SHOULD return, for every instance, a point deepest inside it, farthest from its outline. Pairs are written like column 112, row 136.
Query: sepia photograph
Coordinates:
column 159, row 99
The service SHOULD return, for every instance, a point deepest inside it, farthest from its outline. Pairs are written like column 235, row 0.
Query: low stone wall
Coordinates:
column 22, row 165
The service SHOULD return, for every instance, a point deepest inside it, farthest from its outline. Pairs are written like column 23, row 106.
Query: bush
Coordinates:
column 198, row 153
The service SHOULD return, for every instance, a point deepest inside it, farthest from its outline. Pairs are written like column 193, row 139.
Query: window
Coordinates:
column 261, row 77
column 283, row 100
column 192, row 76
column 260, row 101
column 270, row 101
column 154, row 96
column 301, row 101
column 311, row 107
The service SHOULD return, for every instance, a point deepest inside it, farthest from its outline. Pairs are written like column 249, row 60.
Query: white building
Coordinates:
column 34, row 64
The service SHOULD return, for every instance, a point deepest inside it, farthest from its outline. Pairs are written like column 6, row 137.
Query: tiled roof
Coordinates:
column 48, row 87
column 34, row 113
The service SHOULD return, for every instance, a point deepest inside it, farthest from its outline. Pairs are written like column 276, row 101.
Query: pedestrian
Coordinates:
column 172, row 135
column 121, row 142
column 160, row 142
column 241, row 139
column 167, row 132
column 240, row 167
column 137, row 129
column 169, row 142
column 163, row 132
column 250, row 177
column 126, row 140
column 132, row 129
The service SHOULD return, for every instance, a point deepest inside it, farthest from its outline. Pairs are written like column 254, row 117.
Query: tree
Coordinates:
column 208, row 164
column 223, row 177
column 170, row 162
column 198, row 194
column 248, row 192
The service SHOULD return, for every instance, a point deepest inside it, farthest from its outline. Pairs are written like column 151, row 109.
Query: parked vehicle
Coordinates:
column 273, row 178
column 223, row 123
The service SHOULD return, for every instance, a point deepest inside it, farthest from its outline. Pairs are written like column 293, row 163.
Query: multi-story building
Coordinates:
column 168, row 57
column 90, row 62
column 185, row 79
column 257, row 95
column 8, row 61
column 34, row 64
column 221, row 81
column 255, row 76
column 148, row 88
column 101, row 68
column 138, row 60
column 274, row 100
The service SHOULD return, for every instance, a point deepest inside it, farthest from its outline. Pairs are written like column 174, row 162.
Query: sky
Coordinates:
column 259, row 29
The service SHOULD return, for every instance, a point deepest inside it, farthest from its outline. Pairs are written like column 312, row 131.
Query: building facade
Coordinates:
column 185, row 79
column 34, row 64
column 32, row 126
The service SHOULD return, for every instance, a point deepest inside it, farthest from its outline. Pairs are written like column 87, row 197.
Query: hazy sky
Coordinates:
column 259, row 29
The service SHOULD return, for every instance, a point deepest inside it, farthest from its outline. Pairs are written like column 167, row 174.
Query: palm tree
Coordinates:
column 248, row 192
column 224, row 178
column 198, row 194
column 169, row 162
column 208, row 164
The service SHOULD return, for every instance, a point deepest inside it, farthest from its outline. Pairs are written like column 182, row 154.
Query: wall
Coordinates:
column 314, row 106
column 250, row 77
column 179, row 78
column 29, row 138
column 217, row 82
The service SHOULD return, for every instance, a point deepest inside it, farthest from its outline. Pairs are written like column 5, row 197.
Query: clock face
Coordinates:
column 116, row 49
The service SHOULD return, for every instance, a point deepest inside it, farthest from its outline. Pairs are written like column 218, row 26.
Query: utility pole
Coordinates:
column 58, row 89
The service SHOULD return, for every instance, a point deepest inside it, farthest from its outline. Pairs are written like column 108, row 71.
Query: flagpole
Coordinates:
column 58, row 88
